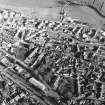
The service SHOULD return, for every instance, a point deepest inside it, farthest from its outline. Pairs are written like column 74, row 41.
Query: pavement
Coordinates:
column 22, row 83
column 25, row 85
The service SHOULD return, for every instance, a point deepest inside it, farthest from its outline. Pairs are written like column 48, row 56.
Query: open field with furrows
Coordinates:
column 98, row 5
column 85, row 14
column 50, row 9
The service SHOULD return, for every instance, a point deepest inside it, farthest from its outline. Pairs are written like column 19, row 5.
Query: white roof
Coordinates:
column 103, row 33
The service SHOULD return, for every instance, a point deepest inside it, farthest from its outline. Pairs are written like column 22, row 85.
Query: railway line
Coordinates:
column 27, row 86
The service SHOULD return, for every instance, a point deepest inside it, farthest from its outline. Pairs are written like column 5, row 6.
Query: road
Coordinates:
column 22, row 83
column 29, row 70
column 52, row 95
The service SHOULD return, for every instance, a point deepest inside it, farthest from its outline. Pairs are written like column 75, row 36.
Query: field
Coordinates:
column 49, row 9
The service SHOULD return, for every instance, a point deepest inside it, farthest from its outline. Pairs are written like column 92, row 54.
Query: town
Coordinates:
column 44, row 62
